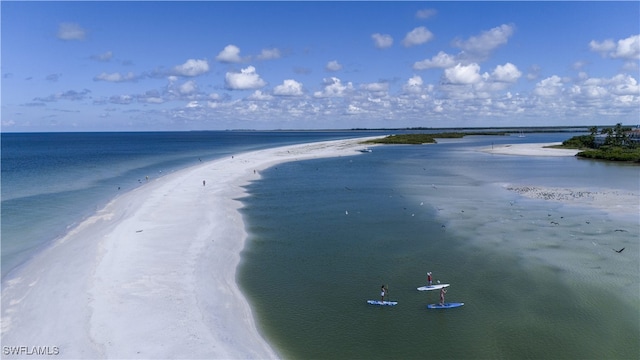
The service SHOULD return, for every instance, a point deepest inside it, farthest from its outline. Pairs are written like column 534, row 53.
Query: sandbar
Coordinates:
column 151, row 275
column 530, row 149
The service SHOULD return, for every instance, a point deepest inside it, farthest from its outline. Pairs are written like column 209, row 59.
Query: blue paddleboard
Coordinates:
column 445, row 306
column 378, row 302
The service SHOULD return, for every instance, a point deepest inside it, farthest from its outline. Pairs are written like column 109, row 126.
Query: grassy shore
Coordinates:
column 586, row 145
column 418, row 139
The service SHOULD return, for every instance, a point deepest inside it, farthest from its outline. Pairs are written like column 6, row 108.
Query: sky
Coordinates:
column 210, row 65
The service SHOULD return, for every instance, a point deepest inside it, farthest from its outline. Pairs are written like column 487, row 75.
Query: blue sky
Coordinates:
column 135, row 66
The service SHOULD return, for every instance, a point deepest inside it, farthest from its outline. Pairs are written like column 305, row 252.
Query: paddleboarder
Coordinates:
column 383, row 292
column 429, row 279
column 442, row 292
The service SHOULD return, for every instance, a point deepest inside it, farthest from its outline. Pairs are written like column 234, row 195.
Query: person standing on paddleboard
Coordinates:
column 429, row 279
column 383, row 292
column 442, row 292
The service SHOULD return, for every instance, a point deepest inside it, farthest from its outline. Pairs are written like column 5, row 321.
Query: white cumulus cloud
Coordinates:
column 230, row 54
column 192, row 67
column 188, row 87
column 441, row 60
column 463, row 74
column 413, row 85
column 333, row 87
column 551, row 86
column 288, row 88
column 506, row 73
column 628, row 48
column 382, row 41
column 260, row 96
column 417, row 36
column 244, row 80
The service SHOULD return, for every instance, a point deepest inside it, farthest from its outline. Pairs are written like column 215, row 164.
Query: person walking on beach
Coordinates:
column 429, row 278
column 442, row 292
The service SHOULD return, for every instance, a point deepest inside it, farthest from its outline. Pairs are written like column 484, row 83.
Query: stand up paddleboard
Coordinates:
column 445, row 306
column 378, row 302
column 432, row 287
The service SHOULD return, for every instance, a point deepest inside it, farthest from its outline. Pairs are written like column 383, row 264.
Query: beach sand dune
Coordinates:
column 153, row 274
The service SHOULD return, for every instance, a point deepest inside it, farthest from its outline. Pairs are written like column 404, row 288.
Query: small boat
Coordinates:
column 365, row 150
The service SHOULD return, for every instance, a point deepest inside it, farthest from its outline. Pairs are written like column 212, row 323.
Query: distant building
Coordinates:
column 632, row 135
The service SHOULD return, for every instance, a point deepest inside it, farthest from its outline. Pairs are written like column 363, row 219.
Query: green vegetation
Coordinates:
column 616, row 146
column 418, row 139
column 612, row 153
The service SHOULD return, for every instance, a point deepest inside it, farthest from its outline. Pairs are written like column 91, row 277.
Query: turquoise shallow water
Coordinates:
column 51, row 181
column 325, row 234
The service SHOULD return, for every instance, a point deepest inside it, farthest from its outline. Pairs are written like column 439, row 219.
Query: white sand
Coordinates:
column 533, row 149
column 153, row 274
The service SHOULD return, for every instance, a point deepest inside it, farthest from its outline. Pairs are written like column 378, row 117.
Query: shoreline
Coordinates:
column 529, row 149
column 163, row 257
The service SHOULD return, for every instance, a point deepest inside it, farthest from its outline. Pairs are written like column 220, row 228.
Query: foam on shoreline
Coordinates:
column 153, row 274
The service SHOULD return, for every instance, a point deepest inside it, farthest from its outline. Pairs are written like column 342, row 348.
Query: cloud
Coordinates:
column 551, row 86
column 53, row 77
column 413, row 85
column 246, row 79
column 375, row 87
column 192, row 67
column 260, row 96
column 230, row 54
column 70, row 95
column 602, row 47
column 103, row 57
column 376, row 90
column 417, row 36
column 189, row 87
column 441, row 60
column 426, row 13
column 483, row 44
column 115, row 77
column 121, row 99
column 333, row 66
column 71, row 31
column 463, row 74
column 382, row 41
column 269, row 54
column 627, row 49
column 506, row 73
column 289, row 88
column 333, row 87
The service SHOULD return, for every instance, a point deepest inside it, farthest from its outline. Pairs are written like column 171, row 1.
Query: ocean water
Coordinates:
column 51, row 181
column 325, row 234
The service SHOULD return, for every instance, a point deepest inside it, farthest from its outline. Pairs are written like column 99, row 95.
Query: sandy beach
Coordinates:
column 152, row 274
column 535, row 149
column 612, row 201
